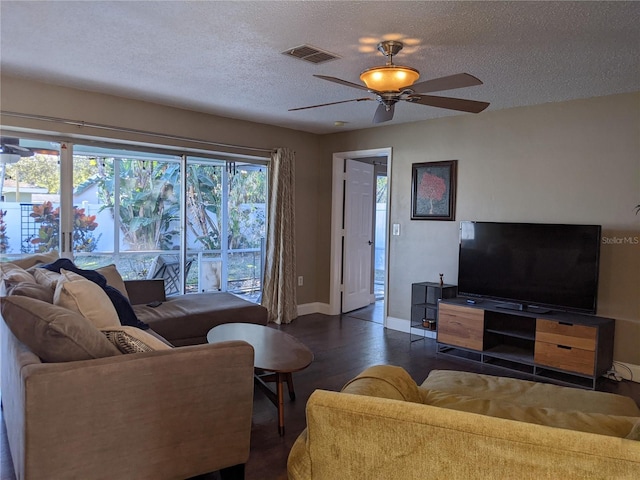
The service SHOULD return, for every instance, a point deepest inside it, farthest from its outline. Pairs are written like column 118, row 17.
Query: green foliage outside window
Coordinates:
column 148, row 207
column 148, row 204
column 4, row 238
column 48, row 237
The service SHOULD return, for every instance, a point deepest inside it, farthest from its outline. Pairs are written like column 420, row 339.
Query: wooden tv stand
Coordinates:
column 561, row 347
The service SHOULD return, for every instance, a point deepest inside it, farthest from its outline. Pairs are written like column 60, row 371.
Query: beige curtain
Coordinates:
column 279, row 286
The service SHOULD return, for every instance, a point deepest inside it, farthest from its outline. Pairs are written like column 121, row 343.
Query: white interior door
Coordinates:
column 358, row 231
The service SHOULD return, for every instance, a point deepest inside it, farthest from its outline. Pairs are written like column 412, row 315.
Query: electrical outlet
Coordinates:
column 300, row 280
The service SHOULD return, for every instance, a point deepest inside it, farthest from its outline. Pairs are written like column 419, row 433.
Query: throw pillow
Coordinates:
column 54, row 333
column 27, row 289
column 122, row 305
column 114, row 279
column 80, row 295
column 12, row 273
column 46, row 277
column 133, row 340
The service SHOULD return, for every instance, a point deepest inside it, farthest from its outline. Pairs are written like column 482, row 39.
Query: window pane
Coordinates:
column 247, row 229
column 204, row 205
column 226, row 219
column 29, row 197
column 128, row 204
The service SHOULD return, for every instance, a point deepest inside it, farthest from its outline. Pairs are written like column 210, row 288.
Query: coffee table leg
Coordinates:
column 277, row 397
column 292, row 393
column 280, row 377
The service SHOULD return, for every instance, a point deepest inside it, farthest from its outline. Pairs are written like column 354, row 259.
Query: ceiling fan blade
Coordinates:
column 471, row 106
column 382, row 114
column 460, row 80
column 342, row 82
column 17, row 150
column 331, row 103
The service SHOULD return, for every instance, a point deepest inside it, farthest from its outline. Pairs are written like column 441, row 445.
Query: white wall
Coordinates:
column 570, row 162
column 28, row 97
column 573, row 162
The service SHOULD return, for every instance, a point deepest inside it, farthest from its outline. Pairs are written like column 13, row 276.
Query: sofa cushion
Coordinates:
column 133, row 340
column 33, row 290
column 80, row 295
column 12, row 273
column 612, row 425
column 54, row 333
column 114, row 279
column 634, row 434
column 152, row 332
column 186, row 319
column 32, row 260
column 528, row 393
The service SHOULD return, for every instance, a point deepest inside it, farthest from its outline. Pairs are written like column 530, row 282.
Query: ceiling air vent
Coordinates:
column 310, row 54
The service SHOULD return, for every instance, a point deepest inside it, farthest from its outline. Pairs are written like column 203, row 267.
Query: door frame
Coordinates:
column 337, row 213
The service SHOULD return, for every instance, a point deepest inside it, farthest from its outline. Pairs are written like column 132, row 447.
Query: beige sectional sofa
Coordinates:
column 186, row 319
column 459, row 425
column 76, row 406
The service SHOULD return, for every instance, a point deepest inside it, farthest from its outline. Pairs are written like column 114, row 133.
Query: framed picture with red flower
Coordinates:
column 433, row 190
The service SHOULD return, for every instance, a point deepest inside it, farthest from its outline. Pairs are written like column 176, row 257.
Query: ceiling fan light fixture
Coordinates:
column 389, row 78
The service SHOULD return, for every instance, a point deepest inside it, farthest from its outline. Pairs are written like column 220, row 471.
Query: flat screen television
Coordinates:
column 530, row 266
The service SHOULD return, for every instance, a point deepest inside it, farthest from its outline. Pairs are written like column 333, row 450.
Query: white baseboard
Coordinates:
column 393, row 323
column 404, row 325
column 399, row 324
column 316, row 307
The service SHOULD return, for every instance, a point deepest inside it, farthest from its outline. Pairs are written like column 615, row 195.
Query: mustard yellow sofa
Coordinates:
column 459, row 425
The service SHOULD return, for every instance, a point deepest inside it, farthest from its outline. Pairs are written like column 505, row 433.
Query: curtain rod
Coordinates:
column 81, row 123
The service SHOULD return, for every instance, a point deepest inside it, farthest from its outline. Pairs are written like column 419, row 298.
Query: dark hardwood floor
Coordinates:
column 343, row 346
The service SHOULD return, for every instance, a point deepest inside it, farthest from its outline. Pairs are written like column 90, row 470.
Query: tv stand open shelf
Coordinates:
column 561, row 347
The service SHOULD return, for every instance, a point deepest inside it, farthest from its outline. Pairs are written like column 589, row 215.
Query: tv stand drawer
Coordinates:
column 461, row 326
column 567, row 334
column 564, row 357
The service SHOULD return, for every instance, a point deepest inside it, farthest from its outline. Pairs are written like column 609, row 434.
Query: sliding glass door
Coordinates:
column 197, row 222
column 226, row 220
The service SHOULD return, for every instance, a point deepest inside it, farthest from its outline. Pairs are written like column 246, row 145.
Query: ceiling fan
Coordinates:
column 11, row 151
column 393, row 83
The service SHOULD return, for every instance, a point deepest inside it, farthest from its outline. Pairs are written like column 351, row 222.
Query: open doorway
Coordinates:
column 374, row 311
column 380, row 229
column 374, row 308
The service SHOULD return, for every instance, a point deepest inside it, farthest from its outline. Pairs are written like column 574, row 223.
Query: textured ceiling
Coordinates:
column 225, row 58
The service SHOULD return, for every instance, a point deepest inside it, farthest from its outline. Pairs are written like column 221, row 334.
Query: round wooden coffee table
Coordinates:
column 277, row 355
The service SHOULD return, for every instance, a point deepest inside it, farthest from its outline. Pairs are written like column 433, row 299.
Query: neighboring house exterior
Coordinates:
column 20, row 192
